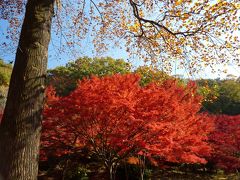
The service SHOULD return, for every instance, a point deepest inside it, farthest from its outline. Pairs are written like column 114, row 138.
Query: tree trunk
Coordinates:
column 112, row 169
column 142, row 166
column 21, row 123
column 112, row 172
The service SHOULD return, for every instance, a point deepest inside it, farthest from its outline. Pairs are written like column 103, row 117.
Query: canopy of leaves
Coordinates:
column 114, row 117
column 149, row 75
column 229, row 97
column 196, row 33
column 221, row 96
column 64, row 79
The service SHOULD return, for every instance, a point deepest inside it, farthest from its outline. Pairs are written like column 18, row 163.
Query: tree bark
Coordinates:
column 21, row 123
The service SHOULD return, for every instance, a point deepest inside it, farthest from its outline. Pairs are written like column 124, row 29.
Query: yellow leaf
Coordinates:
column 134, row 28
column 237, row 6
column 228, row 45
column 179, row 51
column 178, row 2
column 141, row 13
column 185, row 16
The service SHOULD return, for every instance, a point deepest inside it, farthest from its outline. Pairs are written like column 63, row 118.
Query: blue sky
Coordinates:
column 56, row 57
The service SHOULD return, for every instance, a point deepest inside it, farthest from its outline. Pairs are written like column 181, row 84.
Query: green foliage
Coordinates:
column 4, row 79
column 85, row 67
column 64, row 79
column 3, row 96
column 5, row 73
column 229, row 97
column 149, row 75
column 220, row 96
column 78, row 172
column 209, row 89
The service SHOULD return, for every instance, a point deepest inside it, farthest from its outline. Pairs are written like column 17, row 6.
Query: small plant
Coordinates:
column 78, row 172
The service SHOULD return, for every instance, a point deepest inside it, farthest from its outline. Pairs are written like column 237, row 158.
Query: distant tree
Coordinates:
column 209, row 89
column 3, row 96
column 64, row 79
column 114, row 118
column 5, row 74
column 220, row 96
column 150, row 75
column 229, row 97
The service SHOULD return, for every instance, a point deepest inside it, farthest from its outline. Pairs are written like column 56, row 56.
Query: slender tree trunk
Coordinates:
column 112, row 169
column 142, row 166
column 21, row 123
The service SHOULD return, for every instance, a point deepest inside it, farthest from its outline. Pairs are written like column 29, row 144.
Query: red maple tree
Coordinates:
column 115, row 117
column 226, row 142
column 180, row 135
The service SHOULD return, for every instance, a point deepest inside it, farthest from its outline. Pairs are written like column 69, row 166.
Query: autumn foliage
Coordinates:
column 226, row 142
column 114, row 117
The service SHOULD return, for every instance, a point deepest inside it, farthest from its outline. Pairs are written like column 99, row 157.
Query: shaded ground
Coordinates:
column 84, row 168
column 179, row 175
column 96, row 172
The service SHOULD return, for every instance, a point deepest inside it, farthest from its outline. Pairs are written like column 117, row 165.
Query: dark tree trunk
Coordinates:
column 21, row 123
